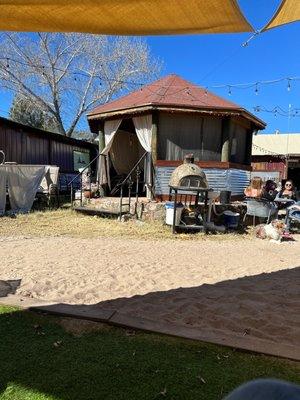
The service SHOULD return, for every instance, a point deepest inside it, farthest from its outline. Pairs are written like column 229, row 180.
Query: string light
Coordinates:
column 271, row 153
column 229, row 87
column 278, row 111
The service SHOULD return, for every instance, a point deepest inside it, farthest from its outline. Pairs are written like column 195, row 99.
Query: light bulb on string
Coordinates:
column 229, row 90
column 289, row 85
column 7, row 63
column 205, row 93
column 256, row 89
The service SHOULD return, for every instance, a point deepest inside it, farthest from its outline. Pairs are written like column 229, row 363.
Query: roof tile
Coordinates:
column 171, row 90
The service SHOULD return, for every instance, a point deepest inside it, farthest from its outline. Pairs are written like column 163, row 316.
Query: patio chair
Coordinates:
column 260, row 208
column 292, row 217
column 49, row 186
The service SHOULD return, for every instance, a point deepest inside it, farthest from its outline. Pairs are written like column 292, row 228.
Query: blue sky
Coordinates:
column 221, row 59
column 270, row 55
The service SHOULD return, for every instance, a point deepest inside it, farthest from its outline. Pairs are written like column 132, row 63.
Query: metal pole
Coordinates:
column 81, row 190
column 90, row 186
column 121, row 202
column 72, row 195
column 174, row 215
column 137, row 189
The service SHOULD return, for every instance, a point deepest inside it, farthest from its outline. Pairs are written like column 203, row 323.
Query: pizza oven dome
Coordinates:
column 188, row 174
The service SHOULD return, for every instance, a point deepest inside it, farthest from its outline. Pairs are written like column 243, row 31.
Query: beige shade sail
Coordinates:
column 288, row 11
column 123, row 17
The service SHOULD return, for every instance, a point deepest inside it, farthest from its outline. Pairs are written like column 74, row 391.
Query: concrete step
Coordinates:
column 99, row 212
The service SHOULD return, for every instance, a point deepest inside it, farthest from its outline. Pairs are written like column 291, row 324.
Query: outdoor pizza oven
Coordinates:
column 188, row 175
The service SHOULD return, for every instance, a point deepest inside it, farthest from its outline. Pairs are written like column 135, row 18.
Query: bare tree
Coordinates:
column 65, row 75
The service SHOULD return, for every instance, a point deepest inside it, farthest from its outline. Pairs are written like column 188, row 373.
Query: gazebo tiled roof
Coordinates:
column 171, row 91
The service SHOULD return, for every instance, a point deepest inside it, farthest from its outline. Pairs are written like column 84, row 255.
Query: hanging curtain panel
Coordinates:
column 3, row 178
column 288, row 11
column 23, row 183
column 123, row 17
column 110, row 129
column 238, row 145
column 181, row 134
column 143, row 128
column 125, row 151
column 212, row 139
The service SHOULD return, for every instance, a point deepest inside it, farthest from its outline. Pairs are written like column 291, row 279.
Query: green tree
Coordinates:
column 23, row 110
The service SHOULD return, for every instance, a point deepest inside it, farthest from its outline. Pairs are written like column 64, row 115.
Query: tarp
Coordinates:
column 22, row 182
column 288, row 11
column 123, row 17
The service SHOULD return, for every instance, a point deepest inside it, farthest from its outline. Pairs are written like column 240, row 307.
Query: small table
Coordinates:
column 196, row 191
column 285, row 202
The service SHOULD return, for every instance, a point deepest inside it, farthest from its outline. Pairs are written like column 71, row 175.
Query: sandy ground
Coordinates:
column 235, row 286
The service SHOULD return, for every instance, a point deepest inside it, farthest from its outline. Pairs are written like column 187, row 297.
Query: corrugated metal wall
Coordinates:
column 25, row 147
column 235, row 180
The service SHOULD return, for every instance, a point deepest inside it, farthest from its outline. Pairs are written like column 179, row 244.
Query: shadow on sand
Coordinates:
column 112, row 364
column 9, row 287
column 258, row 313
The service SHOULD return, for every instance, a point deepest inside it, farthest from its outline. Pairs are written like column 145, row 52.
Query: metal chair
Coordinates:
column 260, row 208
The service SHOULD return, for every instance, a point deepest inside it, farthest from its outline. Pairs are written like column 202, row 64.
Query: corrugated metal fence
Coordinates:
column 235, row 180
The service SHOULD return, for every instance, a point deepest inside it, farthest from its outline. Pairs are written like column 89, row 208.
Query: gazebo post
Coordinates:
column 248, row 150
column 101, row 137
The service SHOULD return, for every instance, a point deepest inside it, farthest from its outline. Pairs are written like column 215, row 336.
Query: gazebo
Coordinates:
column 168, row 119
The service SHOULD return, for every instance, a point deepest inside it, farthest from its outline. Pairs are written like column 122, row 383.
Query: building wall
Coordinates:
column 25, row 145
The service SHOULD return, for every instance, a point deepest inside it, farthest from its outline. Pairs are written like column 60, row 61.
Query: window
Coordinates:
column 81, row 159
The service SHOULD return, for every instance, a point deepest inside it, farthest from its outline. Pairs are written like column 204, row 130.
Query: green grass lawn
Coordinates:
column 43, row 358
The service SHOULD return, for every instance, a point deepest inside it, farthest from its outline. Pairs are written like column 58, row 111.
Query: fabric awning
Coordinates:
column 288, row 11
column 123, row 17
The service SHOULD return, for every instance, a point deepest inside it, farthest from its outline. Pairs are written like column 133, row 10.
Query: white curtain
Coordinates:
column 23, row 183
column 2, row 189
column 110, row 129
column 143, row 128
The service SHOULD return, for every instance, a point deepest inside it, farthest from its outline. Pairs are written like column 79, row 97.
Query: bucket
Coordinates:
column 225, row 196
column 231, row 219
column 170, row 212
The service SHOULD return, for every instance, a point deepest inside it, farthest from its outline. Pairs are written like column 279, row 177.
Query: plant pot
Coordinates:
column 88, row 194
